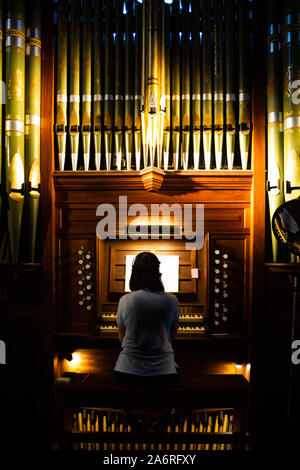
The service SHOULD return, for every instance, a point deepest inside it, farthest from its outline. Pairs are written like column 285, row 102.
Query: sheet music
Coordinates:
column 169, row 268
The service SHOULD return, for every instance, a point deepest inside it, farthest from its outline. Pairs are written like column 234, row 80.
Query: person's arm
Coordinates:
column 174, row 328
column 121, row 332
column 120, row 320
column 174, row 325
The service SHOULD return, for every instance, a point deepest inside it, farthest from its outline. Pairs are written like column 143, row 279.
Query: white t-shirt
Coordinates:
column 147, row 347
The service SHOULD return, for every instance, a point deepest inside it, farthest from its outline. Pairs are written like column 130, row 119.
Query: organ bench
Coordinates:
column 205, row 392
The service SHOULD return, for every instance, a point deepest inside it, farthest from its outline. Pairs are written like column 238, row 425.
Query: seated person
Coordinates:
column 147, row 319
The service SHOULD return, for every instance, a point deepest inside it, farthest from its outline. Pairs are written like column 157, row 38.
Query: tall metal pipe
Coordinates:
column 274, row 115
column 244, row 89
column 230, row 82
column 138, row 65
column 86, row 96
column 129, row 86
column 162, row 94
column 108, row 83
column 152, row 9
column 218, row 82
column 2, row 98
column 185, row 91
column 167, row 88
column 61, row 82
column 32, row 124
column 207, row 84
column 291, row 98
column 175, row 54
column 74, row 97
column 98, row 97
column 14, row 120
column 196, row 83
column 119, row 85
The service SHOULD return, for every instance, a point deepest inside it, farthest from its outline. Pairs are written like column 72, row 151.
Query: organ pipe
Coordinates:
column 165, row 88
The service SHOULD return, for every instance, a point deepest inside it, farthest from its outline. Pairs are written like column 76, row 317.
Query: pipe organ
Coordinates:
column 169, row 89
column 161, row 104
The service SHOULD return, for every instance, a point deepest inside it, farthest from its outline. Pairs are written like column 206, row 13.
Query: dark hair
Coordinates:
column 145, row 273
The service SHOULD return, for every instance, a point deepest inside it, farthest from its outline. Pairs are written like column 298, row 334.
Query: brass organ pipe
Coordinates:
column 152, row 10
column 98, row 98
column 175, row 85
column 185, row 92
column 167, row 89
column 119, row 85
column 137, row 84
column 143, row 88
column 14, row 120
column 218, row 83
column 32, row 124
column 274, row 117
column 162, row 94
column 244, row 97
column 61, row 87
column 230, row 88
column 86, row 95
column 291, row 98
column 129, row 86
column 207, row 83
column 196, row 88
column 2, row 98
column 74, row 97
column 108, row 83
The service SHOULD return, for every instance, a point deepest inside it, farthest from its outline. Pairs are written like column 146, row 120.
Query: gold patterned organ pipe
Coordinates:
column 152, row 9
column 275, row 155
column 218, row 83
column 167, row 88
column 207, row 83
column 86, row 96
column 196, row 89
column 32, row 123
column 14, row 120
column 97, row 98
column 162, row 93
column 152, row 36
column 175, row 54
column 129, row 86
column 230, row 88
column 185, row 92
column 138, row 64
column 74, row 96
column 291, row 98
column 108, row 83
column 61, row 82
column 119, row 85
column 143, row 88
column 2, row 99
column 244, row 96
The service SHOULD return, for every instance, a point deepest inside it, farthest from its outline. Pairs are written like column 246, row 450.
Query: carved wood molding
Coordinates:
column 153, row 179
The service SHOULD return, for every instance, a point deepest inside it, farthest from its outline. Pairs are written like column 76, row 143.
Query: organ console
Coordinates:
column 161, row 102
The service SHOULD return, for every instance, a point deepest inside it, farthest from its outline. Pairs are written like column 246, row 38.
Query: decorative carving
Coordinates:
column 152, row 178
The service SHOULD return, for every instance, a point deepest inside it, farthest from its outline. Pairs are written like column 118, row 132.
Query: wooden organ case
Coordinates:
column 214, row 336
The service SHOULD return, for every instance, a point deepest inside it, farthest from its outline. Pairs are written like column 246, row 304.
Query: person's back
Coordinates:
column 147, row 320
column 147, row 317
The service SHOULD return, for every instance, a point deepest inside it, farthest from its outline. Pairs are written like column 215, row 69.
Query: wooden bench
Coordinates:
column 190, row 393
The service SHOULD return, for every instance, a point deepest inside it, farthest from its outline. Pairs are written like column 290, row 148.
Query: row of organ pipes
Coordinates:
column 153, row 83
column 88, row 421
